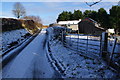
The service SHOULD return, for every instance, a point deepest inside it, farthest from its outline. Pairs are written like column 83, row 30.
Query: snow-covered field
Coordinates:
column 77, row 66
column 12, row 38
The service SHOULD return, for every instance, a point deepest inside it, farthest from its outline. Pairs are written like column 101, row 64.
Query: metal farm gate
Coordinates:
column 92, row 46
column 89, row 45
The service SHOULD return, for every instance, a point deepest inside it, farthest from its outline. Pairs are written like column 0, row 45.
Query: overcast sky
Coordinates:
column 49, row 11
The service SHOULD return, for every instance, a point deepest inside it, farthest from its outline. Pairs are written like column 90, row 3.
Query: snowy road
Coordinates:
column 31, row 62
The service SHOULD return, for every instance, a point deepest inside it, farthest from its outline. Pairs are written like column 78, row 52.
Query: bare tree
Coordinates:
column 36, row 19
column 19, row 10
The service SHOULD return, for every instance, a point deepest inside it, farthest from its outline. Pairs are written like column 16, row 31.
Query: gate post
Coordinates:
column 113, row 48
column 104, row 44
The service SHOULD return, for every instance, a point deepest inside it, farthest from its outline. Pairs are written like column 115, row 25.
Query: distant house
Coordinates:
column 73, row 25
column 89, row 26
column 53, row 24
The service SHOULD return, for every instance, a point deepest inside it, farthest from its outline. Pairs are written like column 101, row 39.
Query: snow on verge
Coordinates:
column 77, row 66
column 12, row 37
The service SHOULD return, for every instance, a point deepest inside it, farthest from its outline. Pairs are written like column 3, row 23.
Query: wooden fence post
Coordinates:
column 113, row 48
column 104, row 44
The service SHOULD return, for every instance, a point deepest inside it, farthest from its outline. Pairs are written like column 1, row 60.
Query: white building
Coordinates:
column 70, row 24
